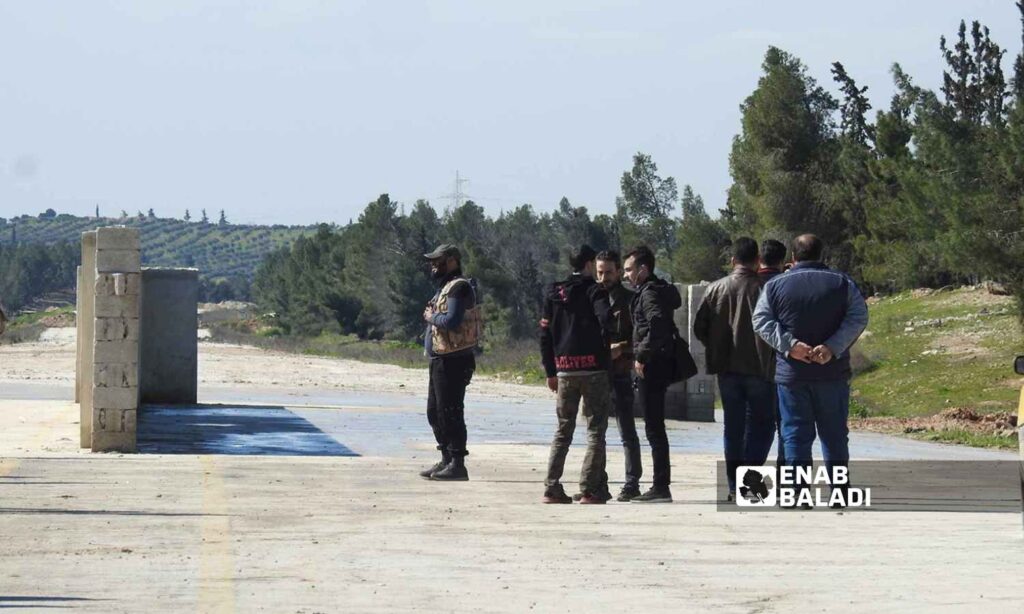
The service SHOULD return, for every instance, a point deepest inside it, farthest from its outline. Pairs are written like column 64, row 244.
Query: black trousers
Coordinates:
column 446, row 401
column 622, row 391
column 652, row 388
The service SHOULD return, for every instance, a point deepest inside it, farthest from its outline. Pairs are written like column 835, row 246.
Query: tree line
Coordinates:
column 28, row 271
column 928, row 192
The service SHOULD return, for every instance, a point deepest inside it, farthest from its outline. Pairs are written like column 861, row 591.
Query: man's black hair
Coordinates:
column 772, row 252
column 642, row 255
column 744, row 250
column 807, row 247
column 610, row 255
column 579, row 259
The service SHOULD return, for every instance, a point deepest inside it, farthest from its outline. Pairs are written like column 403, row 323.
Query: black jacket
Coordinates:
column 622, row 333
column 724, row 325
column 575, row 327
column 653, row 326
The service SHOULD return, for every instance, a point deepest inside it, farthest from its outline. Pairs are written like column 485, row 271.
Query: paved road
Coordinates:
column 302, row 422
column 294, row 501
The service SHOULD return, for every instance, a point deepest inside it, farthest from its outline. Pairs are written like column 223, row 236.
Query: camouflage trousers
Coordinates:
column 595, row 392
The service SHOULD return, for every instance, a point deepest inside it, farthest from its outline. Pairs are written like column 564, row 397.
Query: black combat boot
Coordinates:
column 454, row 471
column 446, row 458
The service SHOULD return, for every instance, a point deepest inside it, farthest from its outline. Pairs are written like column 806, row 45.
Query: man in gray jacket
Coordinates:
column 741, row 359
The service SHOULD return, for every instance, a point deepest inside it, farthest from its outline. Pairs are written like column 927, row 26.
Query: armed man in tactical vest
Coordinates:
column 575, row 328
column 453, row 331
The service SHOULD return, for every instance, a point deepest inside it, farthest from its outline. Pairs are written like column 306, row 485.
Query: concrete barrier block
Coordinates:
column 117, row 329
column 105, row 441
column 118, row 260
column 106, row 284
column 117, row 420
column 115, row 398
column 113, row 375
column 108, row 306
column 118, row 237
column 121, row 352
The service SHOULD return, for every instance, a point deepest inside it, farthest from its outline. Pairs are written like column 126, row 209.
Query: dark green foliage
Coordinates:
column 28, row 271
column 370, row 278
column 930, row 194
column 701, row 242
column 645, row 208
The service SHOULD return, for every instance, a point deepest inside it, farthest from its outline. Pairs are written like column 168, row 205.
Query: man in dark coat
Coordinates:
column 654, row 335
column 741, row 360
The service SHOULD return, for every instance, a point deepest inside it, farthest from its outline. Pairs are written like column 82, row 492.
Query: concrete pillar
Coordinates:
column 700, row 389
column 86, row 305
column 78, row 335
column 115, row 352
column 169, row 351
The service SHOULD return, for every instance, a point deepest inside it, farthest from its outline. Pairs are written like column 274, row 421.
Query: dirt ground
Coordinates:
column 243, row 533
column 52, row 360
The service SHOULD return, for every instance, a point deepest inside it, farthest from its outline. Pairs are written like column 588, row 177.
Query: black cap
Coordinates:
column 443, row 251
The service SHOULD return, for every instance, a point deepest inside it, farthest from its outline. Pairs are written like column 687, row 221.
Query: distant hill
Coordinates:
column 228, row 250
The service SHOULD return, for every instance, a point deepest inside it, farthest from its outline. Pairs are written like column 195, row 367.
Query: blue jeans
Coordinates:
column 821, row 407
column 748, row 402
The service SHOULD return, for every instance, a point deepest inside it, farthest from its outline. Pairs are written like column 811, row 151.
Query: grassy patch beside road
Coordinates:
column 932, row 353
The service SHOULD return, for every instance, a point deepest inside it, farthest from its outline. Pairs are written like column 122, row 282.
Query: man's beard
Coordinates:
column 439, row 273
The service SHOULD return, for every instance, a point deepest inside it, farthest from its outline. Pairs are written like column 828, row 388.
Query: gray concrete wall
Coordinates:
column 168, row 368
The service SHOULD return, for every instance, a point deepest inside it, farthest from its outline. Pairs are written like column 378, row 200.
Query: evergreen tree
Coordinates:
column 701, row 242
column 645, row 207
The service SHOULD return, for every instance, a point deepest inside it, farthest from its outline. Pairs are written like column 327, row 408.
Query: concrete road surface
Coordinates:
column 299, row 500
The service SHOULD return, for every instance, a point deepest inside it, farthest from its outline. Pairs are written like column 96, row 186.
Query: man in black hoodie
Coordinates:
column 654, row 334
column 574, row 348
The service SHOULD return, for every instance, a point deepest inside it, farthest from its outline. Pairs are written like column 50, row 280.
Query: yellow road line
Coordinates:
column 216, row 559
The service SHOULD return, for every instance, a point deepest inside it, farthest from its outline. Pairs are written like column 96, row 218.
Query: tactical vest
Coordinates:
column 467, row 334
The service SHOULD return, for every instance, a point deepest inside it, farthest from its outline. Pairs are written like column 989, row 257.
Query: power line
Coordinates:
column 457, row 198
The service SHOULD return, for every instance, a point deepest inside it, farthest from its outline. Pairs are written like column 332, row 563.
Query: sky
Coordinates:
column 302, row 111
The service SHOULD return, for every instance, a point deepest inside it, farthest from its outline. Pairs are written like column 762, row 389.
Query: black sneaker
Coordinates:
column 426, row 473
column 556, row 494
column 628, row 493
column 654, row 495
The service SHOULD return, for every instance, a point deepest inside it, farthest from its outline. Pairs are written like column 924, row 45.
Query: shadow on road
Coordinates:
column 232, row 429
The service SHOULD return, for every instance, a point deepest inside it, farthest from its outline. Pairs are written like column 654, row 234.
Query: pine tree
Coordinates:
column 701, row 242
column 645, row 207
